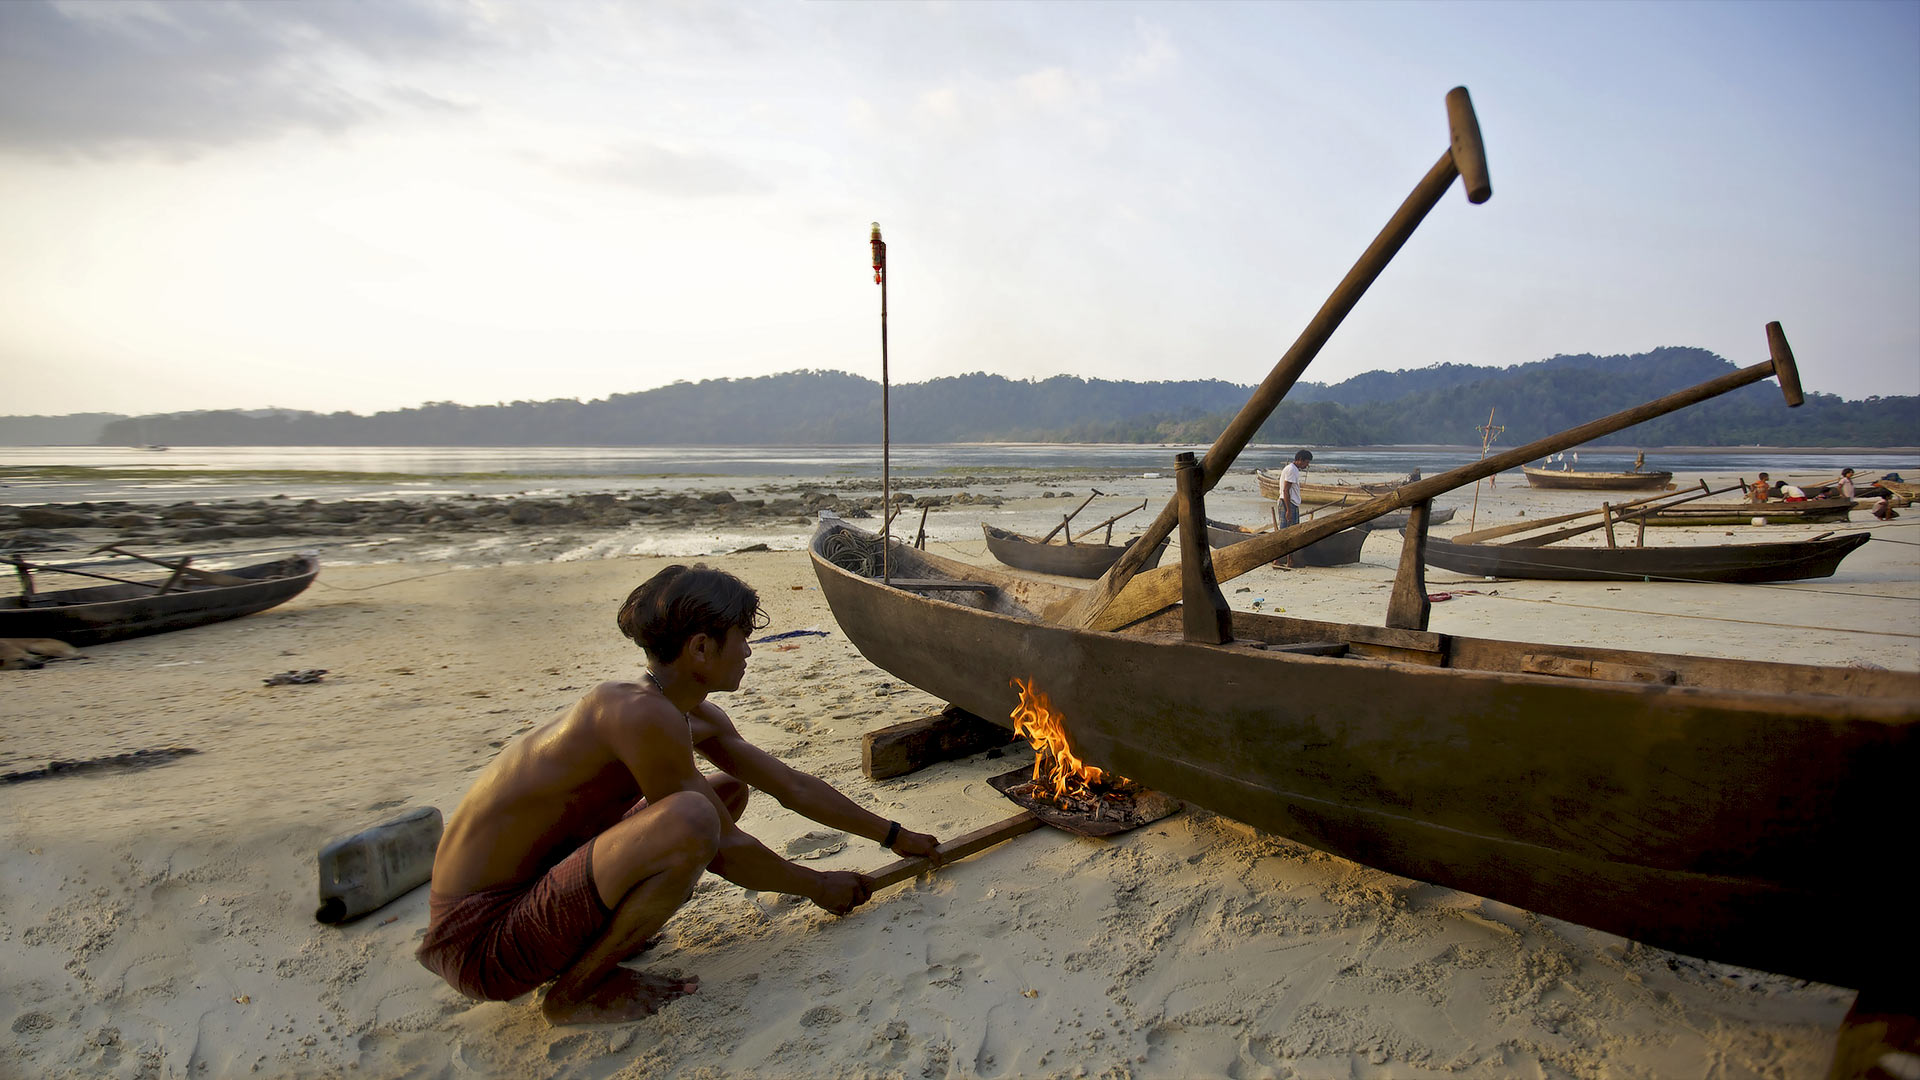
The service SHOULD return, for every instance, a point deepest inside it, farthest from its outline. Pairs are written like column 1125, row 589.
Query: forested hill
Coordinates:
column 1437, row 404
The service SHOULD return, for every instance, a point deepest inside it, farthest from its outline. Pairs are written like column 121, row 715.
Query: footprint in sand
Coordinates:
column 816, row 845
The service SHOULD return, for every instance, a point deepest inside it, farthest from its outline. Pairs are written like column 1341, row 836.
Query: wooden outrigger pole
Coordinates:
column 1463, row 159
column 1157, row 590
column 886, row 434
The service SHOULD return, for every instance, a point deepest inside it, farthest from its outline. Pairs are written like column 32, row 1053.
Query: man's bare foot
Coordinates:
column 624, row 995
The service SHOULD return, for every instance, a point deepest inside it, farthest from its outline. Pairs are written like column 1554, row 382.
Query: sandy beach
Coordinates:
column 159, row 921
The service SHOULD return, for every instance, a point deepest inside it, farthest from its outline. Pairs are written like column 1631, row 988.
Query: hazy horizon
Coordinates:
column 363, row 207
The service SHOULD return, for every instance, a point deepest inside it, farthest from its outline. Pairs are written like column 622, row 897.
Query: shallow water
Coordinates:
column 100, row 473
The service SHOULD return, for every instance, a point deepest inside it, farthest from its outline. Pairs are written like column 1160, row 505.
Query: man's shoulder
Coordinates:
column 625, row 701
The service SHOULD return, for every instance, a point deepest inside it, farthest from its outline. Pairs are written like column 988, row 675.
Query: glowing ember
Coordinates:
column 1055, row 765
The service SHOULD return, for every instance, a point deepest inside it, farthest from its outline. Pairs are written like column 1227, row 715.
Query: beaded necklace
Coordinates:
column 662, row 687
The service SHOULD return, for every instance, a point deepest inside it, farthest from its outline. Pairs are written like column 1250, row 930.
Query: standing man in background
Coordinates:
column 1289, row 508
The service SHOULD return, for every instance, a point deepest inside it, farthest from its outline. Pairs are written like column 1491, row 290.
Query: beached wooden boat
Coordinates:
column 1742, row 811
column 1575, row 480
column 1326, row 494
column 1792, row 561
column 1805, row 512
column 1340, row 549
column 101, row 613
column 1071, row 560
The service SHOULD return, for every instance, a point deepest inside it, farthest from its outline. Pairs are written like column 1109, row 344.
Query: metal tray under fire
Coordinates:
column 1118, row 807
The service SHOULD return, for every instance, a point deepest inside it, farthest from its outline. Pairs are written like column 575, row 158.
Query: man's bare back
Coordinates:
column 553, row 851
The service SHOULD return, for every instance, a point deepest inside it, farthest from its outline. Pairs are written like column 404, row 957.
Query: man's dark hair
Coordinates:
column 1303, row 455
column 670, row 607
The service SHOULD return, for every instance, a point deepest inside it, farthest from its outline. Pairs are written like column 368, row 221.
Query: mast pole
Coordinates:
column 886, row 433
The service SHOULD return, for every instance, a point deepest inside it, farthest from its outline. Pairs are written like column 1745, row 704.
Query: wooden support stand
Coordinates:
column 1204, row 611
column 899, row 749
column 1408, row 608
column 958, row 848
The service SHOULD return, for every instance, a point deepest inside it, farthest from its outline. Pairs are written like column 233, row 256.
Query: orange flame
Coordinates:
column 1054, row 761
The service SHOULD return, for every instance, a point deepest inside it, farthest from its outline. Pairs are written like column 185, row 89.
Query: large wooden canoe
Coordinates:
column 1703, row 562
column 1326, row 494
column 103, row 613
column 1071, row 560
column 1340, row 549
column 1574, row 480
column 1805, row 512
column 1750, row 812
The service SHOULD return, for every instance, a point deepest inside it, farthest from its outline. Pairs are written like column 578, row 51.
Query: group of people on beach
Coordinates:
column 1766, row 489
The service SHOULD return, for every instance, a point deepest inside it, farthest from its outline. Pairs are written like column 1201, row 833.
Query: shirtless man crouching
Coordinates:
column 586, row 833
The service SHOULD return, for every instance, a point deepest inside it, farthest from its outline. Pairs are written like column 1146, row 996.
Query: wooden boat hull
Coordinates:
column 1340, row 549
column 1706, row 562
column 1745, row 812
column 1321, row 494
column 1572, row 480
column 1069, row 560
column 1810, row 512
column 105, row 613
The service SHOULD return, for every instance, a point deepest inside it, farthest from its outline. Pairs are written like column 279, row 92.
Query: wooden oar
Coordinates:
column 1157, row 590
column 1465, row 159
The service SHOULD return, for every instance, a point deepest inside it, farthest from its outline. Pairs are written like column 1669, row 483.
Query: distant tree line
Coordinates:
column 1438, row 404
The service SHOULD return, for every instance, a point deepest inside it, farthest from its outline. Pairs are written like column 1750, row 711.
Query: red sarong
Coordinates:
column 500, row 943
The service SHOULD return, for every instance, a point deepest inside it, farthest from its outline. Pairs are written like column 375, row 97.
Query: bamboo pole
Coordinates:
column 1157, row 590
column 1464, row 156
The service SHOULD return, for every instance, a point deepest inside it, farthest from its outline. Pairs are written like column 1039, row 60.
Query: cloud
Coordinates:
column 1155, row 53
column 661, row 170
column 100, row 79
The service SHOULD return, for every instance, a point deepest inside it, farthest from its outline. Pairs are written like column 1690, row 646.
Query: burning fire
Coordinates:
column 1054, row 762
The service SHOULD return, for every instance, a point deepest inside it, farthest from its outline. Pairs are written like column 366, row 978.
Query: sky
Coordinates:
column 363, row 206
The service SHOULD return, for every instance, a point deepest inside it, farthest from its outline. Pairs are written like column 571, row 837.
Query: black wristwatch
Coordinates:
column 893, row 834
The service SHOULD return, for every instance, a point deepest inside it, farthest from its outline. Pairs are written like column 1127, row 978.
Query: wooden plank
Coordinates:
column 958, row 848
column 1549, row 664
column 898, row 749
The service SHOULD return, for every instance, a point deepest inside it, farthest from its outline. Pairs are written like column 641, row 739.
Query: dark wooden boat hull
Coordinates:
column 105, row 613
column 1067, row 560
column 1572, row 480
column 1744, row 813
column 1705, row 562
column 1810, row 512
column 1340, row 549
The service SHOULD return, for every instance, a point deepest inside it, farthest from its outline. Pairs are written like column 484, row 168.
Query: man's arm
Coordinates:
column 651, row 738
column 806, row 794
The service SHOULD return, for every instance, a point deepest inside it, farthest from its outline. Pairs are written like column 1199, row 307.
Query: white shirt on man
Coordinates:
column 1290, row 483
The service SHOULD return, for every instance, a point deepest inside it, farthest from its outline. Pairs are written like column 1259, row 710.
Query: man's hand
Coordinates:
column 915, row 844
column 840, row 891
